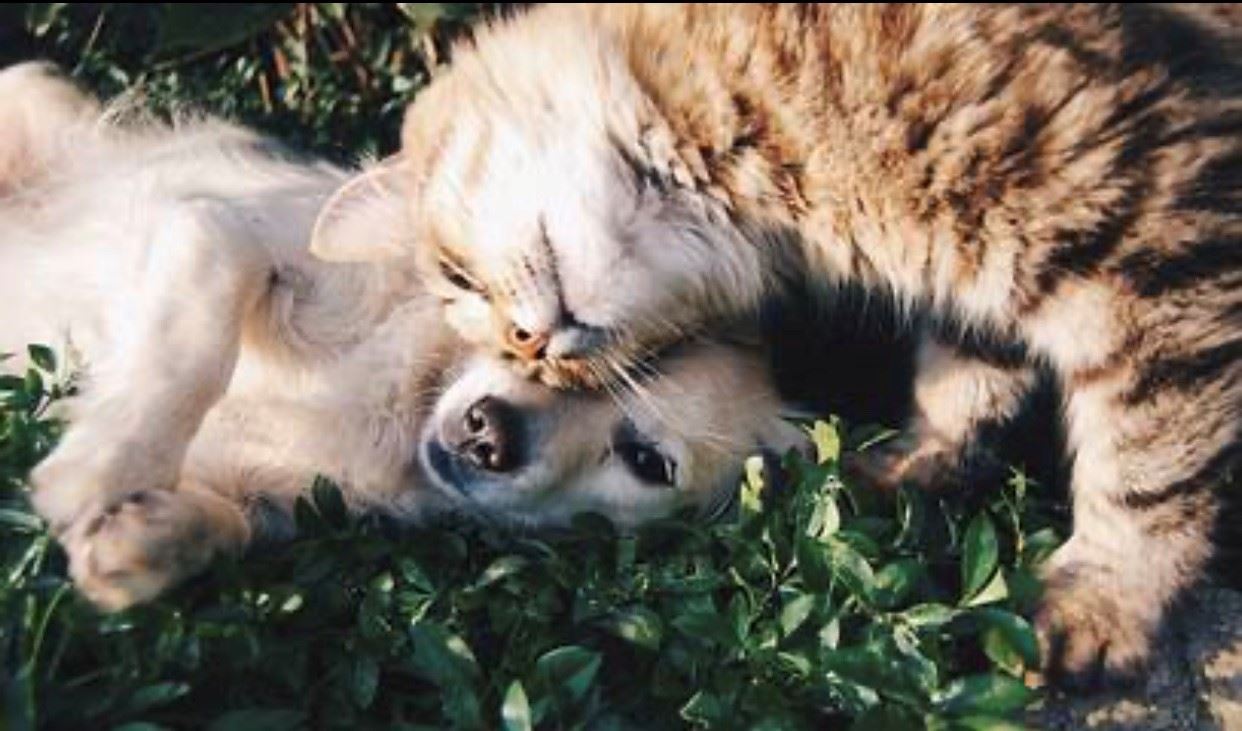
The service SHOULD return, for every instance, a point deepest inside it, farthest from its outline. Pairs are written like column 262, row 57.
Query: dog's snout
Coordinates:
column 487, row 435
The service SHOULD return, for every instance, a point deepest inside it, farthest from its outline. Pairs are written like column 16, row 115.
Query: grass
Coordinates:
column 817, row 605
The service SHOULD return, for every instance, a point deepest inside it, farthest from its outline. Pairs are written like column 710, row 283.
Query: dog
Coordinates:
column 220, row 366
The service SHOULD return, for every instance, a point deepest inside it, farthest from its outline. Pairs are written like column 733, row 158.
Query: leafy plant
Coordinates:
column 329, row 77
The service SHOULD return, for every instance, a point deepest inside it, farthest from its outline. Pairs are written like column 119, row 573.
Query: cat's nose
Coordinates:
column 564, row 342
column 487, row 435
column 529, row 345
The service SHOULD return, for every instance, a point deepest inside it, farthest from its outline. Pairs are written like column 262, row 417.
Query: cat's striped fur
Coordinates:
column 597, row 181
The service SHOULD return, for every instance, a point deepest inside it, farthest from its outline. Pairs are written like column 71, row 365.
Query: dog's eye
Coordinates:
column 647, row 463
column 457, row 277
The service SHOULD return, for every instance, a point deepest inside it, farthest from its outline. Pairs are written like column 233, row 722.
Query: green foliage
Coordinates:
column 816, row 605
column 329, row 77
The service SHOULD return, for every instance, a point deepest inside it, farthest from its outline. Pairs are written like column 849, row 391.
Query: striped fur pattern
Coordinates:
column 1063, row 180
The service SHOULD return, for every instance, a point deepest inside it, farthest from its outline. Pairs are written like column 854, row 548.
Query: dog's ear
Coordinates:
column 39, row 106
column 366, row 219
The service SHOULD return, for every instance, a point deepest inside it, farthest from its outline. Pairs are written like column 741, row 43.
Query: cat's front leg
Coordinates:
column 176, row 341
column 956, row 391
column 1144, row 508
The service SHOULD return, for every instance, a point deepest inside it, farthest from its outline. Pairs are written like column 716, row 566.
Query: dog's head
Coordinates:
column 521, row 453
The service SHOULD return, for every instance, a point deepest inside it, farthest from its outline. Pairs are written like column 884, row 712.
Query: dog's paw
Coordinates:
column 907, row 460
column 87, row 475
column 62, row 496
column 1090, row 633
column 132, row 549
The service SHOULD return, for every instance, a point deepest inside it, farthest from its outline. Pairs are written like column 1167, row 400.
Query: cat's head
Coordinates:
column 554, row 219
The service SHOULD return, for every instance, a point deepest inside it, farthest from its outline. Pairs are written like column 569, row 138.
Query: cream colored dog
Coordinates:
column 223, row 367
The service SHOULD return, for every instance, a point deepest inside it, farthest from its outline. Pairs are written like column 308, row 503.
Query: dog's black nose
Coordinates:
column 487, row 436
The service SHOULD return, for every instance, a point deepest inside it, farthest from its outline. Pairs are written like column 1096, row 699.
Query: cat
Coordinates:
column 221, row 368
column 1056, row 186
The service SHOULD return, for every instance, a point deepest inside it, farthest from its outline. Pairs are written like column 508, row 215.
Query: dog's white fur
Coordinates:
column 223, row 366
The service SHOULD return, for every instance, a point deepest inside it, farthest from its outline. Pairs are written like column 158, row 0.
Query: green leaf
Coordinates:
column 329, row 503
column 414, row 576
column 980, row 555
column 425, row 16
column 830, row 634
column 1008, row 640
column 985, row 723
column 153, row 696
column 827, row 442
column 446, row 660
column 20, row 521
column 515, row 713
column 990, row 693
column 798, row 664
column 995, row 591
column 739, row 616
column 852, row 569
column 707, row 626
column 814, row 564
column 638, row 625
column 1025, row 589
column 501, row 568
column 887, row 717
column 704, row 708
column 259, row 719
column 896, row 581
column 1038, row 546
column 364, row 680
column 751, row 497
column 41, row 16
column 826, row 518
column 307, row 518
column 795, row 613
column 447, row 654
column 571, row 669
column 885, row 666
column 33, row 383
column 930, row 615
column 192, row 29
column 43, row 357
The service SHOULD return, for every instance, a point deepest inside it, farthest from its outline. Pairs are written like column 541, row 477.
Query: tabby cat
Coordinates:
column 1060, row 184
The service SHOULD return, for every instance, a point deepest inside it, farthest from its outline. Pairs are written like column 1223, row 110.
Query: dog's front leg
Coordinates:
column 200, row 271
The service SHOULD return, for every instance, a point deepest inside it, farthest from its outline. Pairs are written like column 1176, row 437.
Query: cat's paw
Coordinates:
column 132, row 549
column 926, row 464
column 1092, row 633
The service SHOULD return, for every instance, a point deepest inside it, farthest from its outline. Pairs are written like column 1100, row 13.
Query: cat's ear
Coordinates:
column 367, row 218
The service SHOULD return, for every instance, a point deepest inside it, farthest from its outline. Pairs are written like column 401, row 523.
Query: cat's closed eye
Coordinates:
column 457, row 276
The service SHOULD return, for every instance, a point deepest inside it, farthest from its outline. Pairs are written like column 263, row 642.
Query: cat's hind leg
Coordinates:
column 957, row 390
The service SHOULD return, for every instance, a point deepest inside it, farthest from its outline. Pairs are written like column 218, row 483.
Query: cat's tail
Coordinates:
column 39, row 107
